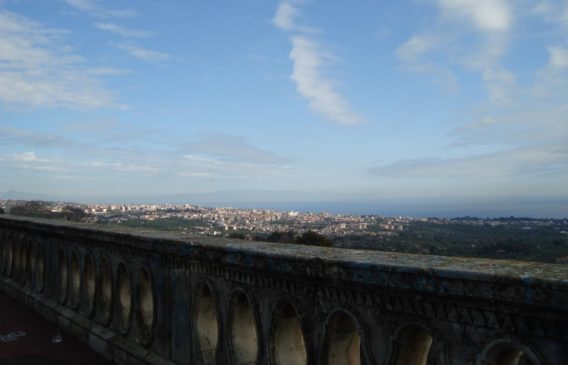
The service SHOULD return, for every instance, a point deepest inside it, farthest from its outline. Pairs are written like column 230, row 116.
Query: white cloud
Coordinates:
column 320, row 91
column 309, row 60
column 490, row 21
column 508, row 163
column 215, row 160
column 26, row 156
column 93, row 8
column 552, row 80
column 485, row 15
column 558, row 57
column 285, row 14
column 29, row 161
column 38, row 70
column 125, row 32
column 553, row 11
column 219, row 147
column 413, row 49
column 500, row 82
column 529, row 125
column 412, row 55
column 107, row 71
column 493, row 19
column 143, row 54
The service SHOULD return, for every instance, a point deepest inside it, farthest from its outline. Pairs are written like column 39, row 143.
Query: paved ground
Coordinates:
column 28, row 339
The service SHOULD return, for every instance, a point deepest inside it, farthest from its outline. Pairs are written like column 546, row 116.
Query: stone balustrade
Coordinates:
column 158, row 298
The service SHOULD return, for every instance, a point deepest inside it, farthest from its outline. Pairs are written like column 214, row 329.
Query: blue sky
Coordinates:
column 297, row 100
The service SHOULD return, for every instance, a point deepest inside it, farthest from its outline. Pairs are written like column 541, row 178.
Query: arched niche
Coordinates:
column 62, row 269
column 244, row 339
column 17, row 262
column 75, row 281
column 32, row 266
column 144, row 306
column 412, row 346
column 124, row 302
column 39, row 269
column 3, row 255
column 88, row 286
column 507, row 352
column 104, row 293
column 23, row 263
column 287, row 343
column 206, row 323
column 343, row 340
column 9, row 258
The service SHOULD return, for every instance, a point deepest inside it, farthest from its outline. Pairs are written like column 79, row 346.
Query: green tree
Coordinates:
column 282, row 237
column 72, row 213
column 39, row 209
column 314, row 239
column 238, row 235
column 32, row 208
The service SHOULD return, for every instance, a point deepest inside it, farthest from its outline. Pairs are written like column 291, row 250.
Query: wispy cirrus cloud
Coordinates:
column 558, row 57
column 285, row 14
column 29, row 160
column 213, row 159
column 136, row 51
column 487, row 22
column 413, row 56
column 123, row 31
column 27, row 156
column 94, row 8
column 143, row 54
column 551, row 161
column 230, row 148
column 491, row 20
column 38, row 70
column 309, row 62
column 518, row 132
column 26, row 138
column 484, row 15
column 552, row 11
column 320, row 91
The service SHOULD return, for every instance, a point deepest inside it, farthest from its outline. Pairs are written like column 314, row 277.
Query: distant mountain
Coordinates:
column 19, row 195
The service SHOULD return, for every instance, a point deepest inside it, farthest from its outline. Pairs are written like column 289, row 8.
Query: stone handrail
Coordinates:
column 152, row 297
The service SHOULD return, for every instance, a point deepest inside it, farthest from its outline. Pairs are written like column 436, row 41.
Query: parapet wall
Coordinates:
column 158, row 298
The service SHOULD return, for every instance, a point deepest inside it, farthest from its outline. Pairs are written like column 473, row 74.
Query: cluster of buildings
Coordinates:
column 224, row 221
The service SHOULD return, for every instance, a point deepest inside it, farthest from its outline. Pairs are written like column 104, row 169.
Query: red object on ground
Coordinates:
column 26, row 338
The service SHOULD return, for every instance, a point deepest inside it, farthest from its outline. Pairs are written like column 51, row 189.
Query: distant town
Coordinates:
column 510, row 237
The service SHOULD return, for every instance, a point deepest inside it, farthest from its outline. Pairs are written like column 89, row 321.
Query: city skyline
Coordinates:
column 442, row 102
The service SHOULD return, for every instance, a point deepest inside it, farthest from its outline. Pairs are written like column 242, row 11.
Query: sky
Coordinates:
column 444, row 103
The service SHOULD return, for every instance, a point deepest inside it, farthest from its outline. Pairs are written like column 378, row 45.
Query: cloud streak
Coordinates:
column 94, row 8
column 143, row 54
column 211, row 160
column 284, row 17
column 485, row 25
column 320, row 91
column 412, row 54
column 37, row 70
column 231, row 148
column 558, row 57
column 492, row 20
column 309, row 61
column 551, row 161
column 484, row 15
column 123, row 31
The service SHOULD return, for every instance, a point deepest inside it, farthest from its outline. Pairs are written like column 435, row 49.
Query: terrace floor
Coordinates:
column 28, row 339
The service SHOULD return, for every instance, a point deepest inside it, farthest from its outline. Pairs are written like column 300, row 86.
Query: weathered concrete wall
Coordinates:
column 147, row 297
